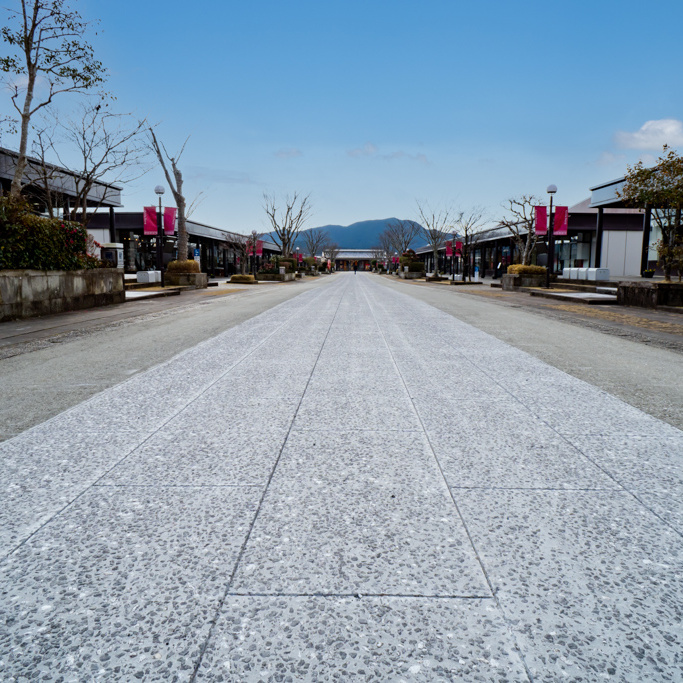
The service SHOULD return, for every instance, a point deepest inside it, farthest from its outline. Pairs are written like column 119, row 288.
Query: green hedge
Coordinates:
column 416, row 267
column 519, row 269
column 28, row 241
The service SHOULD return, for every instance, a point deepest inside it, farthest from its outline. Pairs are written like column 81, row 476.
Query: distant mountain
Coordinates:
column 361, row 235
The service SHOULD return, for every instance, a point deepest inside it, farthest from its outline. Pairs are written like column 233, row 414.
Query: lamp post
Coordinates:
column 159, row 189
column 395, row 261
column 551, row 190
column 297, row 259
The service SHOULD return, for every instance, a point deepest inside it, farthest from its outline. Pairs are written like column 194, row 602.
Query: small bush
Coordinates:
column 519, row 269
column 189, row 266
column 288, row 264
column 416, row 267
column 37, row 243
column 243, row 279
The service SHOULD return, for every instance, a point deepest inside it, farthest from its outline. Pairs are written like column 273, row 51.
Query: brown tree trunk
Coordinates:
column 15, row 190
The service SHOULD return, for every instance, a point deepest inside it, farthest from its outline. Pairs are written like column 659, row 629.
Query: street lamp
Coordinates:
column 395, row 261
column 297, row 259
column 550, row 266
column 159, row 189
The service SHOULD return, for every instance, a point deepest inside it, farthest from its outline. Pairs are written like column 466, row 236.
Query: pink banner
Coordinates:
column 394, row 259
column 458, row 248
column 541, row 222
column 561, row 222
column 301, row 258
column 150, row 220
column 169, row 219
column 449, row 248
column 259, row 248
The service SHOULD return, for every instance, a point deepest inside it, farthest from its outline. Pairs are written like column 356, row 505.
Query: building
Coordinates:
column 347, row 257
column 48, row 186
column 606, row 238
column 218, row 250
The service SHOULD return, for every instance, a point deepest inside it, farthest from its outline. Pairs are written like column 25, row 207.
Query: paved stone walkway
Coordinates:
column 350, row 486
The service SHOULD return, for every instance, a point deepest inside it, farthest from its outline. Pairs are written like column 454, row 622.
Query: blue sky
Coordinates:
column 371, row 105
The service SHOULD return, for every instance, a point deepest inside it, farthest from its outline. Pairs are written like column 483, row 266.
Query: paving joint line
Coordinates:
column 562, row 436
column 494, row 594
column 95, row 484
column 243, row 548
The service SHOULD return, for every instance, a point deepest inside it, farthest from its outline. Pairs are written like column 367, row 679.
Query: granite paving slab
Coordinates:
column 373, row 516
column 123, row 585
column 311, row 639
column 352, row 485
column 590, row 581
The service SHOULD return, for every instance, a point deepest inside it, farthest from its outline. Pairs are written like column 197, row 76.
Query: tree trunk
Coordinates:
column 436, row 262
column 15, row 190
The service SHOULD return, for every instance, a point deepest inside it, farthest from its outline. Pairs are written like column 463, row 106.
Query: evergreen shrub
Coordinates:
column 518, row 269
column 32, row 242
column 188, row 266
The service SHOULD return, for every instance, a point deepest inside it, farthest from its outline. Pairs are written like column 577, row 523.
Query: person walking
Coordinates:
column 355, row 267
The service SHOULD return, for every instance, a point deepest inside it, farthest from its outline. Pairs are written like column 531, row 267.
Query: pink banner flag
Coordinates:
column 259, row 248
column 150, row 220
column 458, row 248
column 561, row 222
column 169, row 219
column 541, row 220
column 301, row 258
column 449, row 248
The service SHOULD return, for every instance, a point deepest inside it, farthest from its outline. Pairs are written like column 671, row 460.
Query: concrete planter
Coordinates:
column 514, row 281
column 284, row 277
column 411, row 276
column 650, row 294
column 29, row 293
column 193, row 280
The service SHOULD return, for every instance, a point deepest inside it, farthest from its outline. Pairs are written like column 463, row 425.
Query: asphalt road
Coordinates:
column 50, row 364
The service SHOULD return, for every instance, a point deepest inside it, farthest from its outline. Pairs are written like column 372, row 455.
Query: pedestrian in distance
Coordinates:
column 355, row 267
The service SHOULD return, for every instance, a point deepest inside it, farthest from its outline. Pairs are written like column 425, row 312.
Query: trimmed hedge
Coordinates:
column 243, row 279
column 416, row 267
column 518, row 269
column 31, row 242
column 188, row 266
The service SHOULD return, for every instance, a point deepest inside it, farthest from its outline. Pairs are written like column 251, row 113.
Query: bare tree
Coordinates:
column 469, row 224
column 46, row 39
column 314, row 240
column 331, row 251
column 43, row 174
column 386, row 245
column 287, row 223
column 110, row 149
column 176, row 185
column 436, row 228
column 251, row 247
column 520, row 223
column 401, row 234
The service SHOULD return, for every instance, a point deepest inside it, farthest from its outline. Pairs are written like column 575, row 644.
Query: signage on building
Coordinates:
column 169, row 219
column 150, row 220
column 541, row 220
column 561, row 222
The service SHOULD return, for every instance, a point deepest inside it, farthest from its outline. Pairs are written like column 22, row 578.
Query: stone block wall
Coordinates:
column 650, row 294
column 29, row 293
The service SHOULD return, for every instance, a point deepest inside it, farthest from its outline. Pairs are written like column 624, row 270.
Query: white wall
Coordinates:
column 621, row 252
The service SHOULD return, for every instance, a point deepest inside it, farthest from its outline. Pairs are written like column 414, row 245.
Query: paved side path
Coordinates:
column 314, row 495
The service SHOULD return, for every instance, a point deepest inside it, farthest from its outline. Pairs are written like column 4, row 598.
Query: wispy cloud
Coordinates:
column 289, row 153
column 652, row 135
column 370, row 150
column 367, row 150
column 220, row 175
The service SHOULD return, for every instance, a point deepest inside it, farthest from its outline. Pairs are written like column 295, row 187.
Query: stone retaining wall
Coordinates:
column 650, row 294
column 276, row 277
column 29, row 293
column 195, row 280
column 512, row 281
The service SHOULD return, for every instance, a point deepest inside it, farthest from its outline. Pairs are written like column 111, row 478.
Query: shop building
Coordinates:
column 217, row 250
